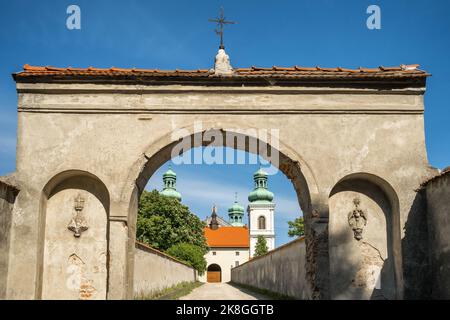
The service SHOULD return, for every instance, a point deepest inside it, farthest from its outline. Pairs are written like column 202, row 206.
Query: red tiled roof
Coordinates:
column 295, row 72
column 231, row 237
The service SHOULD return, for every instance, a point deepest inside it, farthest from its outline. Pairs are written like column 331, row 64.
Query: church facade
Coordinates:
column 232, row 242
column 229, row 247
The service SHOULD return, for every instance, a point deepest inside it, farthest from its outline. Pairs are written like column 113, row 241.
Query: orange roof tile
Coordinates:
column 295, row 72
column 231, row 237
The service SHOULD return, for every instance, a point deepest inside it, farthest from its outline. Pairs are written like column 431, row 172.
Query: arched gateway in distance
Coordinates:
column 351, row 142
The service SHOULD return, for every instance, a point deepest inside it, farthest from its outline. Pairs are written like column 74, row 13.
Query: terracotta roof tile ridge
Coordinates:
column 406, row 70
column 405, row 67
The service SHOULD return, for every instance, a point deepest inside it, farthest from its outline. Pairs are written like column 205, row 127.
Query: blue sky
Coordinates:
column 176, row 34
column 202, row 186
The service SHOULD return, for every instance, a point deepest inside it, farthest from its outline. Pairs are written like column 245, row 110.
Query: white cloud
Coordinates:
column 287, row 208
column 222, row 195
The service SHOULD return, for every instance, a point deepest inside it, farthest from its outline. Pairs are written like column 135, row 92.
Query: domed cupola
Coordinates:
column 260, row 193
column 170, row 185
column 236, row 214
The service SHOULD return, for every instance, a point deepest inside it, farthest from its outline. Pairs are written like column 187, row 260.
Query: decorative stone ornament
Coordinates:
column 222, row 64
column 357, row 220
column 78, row 223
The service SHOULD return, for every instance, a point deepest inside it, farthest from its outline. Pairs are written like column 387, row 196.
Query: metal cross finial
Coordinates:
column 220, row 22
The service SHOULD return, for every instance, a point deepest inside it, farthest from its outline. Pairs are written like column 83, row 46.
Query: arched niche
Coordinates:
column 74, row 238
column 364, row 239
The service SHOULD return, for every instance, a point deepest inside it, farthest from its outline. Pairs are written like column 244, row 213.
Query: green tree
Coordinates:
column 296, row 227
column 261, row 246
column 191, row 254
column 163, row 222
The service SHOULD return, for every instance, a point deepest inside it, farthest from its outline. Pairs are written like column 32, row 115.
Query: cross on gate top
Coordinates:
column 220, row 22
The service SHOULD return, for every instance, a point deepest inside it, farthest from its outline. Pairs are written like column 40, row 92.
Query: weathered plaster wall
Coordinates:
column 416, row 252
column 361, row 269
column 7, row 197
column 281, row 270
column 112, row 135
column 77, row 265
column 438, row 211
column 154, row 271
column 73, row 264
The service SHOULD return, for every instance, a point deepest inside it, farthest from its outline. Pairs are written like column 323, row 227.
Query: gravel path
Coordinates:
column 222, row 291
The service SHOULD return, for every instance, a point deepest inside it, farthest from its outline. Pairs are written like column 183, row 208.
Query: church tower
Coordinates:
column 214, row 224
column 261, row 212
column 170, row 185
column 236, row 214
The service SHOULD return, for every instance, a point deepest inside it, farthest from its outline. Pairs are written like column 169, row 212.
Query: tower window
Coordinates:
column 214, row 253
column 261, row 223
column 236, row 263
column 237, row 253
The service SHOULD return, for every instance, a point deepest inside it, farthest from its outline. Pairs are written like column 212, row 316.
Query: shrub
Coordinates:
column 191, row 254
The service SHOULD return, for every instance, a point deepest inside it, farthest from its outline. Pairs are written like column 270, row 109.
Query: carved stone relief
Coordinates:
column 78, row 223
column 357, row 220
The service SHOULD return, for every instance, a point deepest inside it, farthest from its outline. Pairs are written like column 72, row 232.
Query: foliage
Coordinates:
column 191, row 254
column 163, row 222
column 261, row 246
column 296, row 227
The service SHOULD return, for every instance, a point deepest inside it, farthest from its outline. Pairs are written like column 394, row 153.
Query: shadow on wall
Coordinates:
column 362, row 265
column 8, row 196
column 416, row 269
column 357, row 288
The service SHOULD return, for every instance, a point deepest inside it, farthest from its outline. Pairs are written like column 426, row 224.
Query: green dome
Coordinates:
column 170, row 173
column 236, row 208
column 170, row 185
column 260, row 174
column 236, row 214
column 260, row 193
column 172, row 193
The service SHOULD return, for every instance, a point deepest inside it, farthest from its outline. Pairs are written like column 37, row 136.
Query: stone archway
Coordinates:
column 118, row 123
column 290, row 164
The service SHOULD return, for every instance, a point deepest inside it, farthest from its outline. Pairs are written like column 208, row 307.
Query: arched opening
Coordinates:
column 73, row 230
column 214, row 273
column 364, row 238
column 292, row 165
column 261, row 223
